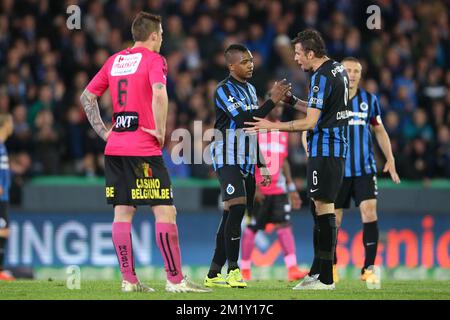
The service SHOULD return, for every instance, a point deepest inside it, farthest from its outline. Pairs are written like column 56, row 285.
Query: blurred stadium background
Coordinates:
column 59, row 216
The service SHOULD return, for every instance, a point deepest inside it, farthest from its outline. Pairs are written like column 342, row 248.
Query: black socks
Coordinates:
column 3, row 242
column 370, row 241
column 233, row 235
column 315, row 267
column 327, row 245
column 220, row 256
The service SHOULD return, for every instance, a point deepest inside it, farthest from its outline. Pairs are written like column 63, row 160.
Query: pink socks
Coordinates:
column 287, row 242
column 121, row 237
column 167, row 241
column 248, row 242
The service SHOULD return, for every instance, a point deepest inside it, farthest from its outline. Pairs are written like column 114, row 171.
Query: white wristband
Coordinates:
column 291, row 187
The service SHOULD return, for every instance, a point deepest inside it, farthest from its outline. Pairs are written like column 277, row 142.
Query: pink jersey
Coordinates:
column 274, row 147
column 130, row 74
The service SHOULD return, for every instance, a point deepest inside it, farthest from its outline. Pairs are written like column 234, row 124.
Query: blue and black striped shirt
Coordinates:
column 329, row 92
column 235, row 103
column 5, row 174
column 364, row 111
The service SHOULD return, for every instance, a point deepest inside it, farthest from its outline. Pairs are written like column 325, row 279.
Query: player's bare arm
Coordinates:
column 305, row 143
column 294, row 198
column 90, row 105
column 160, row 106
column 296, row 103
column 385, row 145
column 308, row 123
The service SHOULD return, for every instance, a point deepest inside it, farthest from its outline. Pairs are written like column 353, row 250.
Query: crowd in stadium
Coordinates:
column 44, row 66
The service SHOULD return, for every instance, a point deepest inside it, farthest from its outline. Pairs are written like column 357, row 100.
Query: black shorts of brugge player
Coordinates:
column 324, row 175
column 359, row 188
column 235, row 183
column 273, row 209
column 137, row 181
column 4, row 219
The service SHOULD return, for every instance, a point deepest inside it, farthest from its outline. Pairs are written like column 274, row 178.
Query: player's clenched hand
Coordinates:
column 279, row 90
column 267, row 179
column 156, row 134
column 295, row 200
column 390, row 167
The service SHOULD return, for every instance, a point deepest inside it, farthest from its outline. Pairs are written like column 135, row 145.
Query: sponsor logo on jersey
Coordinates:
column 364, row 106
column 126, row 121
column 126, row 64
column 342, row 114
column 338, row 69
column 315, row 101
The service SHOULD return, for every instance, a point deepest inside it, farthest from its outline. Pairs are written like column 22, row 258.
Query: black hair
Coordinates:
column 311, row 40
column 233, row 48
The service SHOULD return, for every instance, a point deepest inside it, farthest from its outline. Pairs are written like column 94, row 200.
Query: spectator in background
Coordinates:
column 443, row 152
column 420, row 163
column 419, row 127
column 47, row 145
column 407, row 59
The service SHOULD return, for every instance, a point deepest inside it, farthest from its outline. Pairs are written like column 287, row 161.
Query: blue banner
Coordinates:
column 50, row 239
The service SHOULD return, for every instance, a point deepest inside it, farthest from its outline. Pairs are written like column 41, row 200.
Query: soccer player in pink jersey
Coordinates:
column 134, row 169
column 273, row 202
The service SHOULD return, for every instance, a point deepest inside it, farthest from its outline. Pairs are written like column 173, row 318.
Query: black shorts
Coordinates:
column 4, row 219
column 324, row 175
column 273, row 209
column 359, row 188
column 234, row 183
column 137, row 181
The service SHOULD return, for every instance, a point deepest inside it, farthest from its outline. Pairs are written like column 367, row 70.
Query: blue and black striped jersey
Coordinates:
column 329, row 92
column 5, row 174
column 235, row 103
column 364, row 111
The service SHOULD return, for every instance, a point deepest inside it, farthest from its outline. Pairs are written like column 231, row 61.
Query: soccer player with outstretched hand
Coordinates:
column 234, row 155
column 273, row 203
column 326, row 123
column 134, row 169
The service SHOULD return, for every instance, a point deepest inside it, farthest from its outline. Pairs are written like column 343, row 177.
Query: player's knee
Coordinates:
column 165, row 214
column 124, row 213
column 368, row 211
column 323, row 207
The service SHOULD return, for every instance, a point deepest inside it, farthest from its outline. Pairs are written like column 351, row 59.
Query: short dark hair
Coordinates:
column 144, row 24
column 311, row 40
column 233, row 48
column 350, row 59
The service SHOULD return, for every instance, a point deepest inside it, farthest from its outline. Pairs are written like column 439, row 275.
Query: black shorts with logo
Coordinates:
column 359, row 188
column 4, row 219
column 273, row 209
column 235, row 183
column 324, row 175
column 137, row 181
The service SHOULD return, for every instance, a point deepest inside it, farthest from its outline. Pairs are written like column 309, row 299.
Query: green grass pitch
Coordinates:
column 257, row 290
